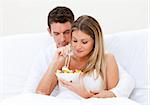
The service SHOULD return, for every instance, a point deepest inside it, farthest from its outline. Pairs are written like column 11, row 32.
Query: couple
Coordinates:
column 100, row 74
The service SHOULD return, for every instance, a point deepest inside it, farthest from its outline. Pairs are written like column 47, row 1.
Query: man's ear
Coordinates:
column 49, row 30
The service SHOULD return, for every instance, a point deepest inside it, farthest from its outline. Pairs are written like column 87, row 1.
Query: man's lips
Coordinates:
column 62, row 44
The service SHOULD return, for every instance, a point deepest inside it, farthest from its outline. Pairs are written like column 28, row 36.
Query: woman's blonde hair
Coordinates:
column 90, row 26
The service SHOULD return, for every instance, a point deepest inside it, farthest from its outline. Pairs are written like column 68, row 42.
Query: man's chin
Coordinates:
column 61, row 45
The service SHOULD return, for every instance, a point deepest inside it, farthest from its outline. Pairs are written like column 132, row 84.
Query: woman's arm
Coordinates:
column 112, row 74
column 112, row 78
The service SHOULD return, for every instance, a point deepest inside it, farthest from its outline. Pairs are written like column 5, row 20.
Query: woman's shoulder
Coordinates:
column 111, row 62
column 110, row 59
column 109, row 56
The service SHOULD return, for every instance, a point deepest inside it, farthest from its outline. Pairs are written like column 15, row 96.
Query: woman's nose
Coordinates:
column 78, row 46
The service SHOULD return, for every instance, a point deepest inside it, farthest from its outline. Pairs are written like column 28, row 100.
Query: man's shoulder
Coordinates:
column 47, row 50
column 50, row 45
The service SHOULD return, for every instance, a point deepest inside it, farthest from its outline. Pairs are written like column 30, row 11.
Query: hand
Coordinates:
column 63, row 51
column 103, row 94
column 59, row 58
column 78, row 89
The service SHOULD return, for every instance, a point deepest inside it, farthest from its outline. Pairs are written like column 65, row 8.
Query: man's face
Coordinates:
column 61, row 32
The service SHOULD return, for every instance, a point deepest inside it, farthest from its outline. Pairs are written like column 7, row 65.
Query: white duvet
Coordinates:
column 37, row 99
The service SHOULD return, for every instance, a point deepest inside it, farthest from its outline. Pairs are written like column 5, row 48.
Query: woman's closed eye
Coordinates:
column 85, row 42
column 75, row 41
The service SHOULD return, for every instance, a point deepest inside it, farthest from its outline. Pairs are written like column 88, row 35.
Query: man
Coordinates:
column 59, row 25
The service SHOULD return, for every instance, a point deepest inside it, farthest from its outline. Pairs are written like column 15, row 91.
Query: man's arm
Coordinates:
column 48, row 82
column 37, row 70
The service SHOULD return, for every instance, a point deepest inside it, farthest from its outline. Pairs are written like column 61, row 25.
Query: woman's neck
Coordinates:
column 79, row 63
column 83, row 59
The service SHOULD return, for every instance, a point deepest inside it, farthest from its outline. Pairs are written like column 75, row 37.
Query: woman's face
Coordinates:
column 82, row 44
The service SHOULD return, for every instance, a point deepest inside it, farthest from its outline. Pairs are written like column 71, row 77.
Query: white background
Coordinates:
column 30, row 16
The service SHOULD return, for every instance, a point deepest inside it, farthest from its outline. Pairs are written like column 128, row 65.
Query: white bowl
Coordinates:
column 71, row 77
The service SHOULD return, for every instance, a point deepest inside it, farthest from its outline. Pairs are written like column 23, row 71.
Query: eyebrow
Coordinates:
column 87, row 39
column 56, row 32
column 62, row 32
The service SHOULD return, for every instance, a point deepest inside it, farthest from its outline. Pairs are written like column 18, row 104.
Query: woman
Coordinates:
column 99, row 69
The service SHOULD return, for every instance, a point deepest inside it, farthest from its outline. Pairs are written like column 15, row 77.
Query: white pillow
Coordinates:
column 16, row 57
column 130, row 50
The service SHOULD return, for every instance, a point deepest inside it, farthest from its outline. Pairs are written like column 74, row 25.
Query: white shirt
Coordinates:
column 39, row 67
column 125, row 85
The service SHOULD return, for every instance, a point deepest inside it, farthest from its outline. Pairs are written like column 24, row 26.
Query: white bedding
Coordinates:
column 130, row 49
column 37, row 99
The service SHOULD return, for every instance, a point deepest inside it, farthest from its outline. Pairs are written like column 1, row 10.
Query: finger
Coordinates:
column 62, row 52
column 94, row 92
column 68, row 83
column 62, row 83
column 82, row 83
column 96, row 96
column 65, row 82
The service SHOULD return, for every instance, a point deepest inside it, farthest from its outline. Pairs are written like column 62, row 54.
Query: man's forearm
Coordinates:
column 48, row 82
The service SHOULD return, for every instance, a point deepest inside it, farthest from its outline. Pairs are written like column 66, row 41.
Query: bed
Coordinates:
column 18, row 51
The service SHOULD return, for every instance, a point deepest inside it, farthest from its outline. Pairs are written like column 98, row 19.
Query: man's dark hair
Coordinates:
column 61, row 15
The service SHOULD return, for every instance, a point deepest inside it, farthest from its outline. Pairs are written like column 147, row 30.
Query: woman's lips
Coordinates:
column 79, row 51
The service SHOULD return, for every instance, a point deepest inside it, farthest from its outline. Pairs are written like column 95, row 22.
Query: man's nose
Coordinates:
column 62, row 37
